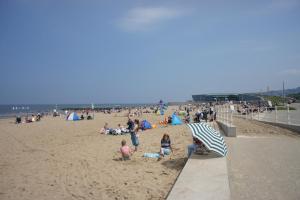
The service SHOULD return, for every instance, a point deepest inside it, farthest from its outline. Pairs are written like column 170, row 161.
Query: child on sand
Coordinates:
column 125, row 151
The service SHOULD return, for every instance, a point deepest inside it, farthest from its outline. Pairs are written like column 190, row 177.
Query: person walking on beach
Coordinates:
column 135, row 136
column 205, row 113
column 133, row 128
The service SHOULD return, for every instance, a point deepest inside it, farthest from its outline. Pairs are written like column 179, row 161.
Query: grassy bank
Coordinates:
column 285, row 108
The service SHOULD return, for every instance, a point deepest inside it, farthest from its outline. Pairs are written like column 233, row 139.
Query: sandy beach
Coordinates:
column 58, row 159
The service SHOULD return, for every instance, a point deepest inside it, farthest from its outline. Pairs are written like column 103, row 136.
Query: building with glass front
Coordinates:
column 225, row 97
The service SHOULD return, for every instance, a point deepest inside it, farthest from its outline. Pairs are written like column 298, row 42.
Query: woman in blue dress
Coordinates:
column 134, row 127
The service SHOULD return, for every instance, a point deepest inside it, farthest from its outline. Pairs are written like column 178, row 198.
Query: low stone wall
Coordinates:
column 229, row 130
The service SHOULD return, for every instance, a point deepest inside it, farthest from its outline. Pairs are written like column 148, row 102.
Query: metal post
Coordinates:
column 227, row 119
column 252, row 113
column 258, row 112
column 220, row 113
column 288, row 113
column 224, row 113
column 222, row 107
column 231, row 112
column 216, row 108
column 276, row 119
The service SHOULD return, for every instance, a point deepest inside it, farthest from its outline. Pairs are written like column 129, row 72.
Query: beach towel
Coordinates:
column 118, row 131
column 151, row 155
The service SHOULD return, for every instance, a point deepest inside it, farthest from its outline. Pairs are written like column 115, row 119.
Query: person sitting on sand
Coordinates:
column 197, row 144
column 33, row 118
column 166, row 147
column 125, row 150
column 27, row 120
column 104, row 129
column 18, row 119
column 187, row 119
column 169, row 120
column 38, row 117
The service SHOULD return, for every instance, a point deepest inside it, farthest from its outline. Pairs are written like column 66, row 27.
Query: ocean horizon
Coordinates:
column 11, row 110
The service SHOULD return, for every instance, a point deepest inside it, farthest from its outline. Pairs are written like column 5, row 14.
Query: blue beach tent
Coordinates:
column 176, row 120
column 73, row 117
column 146, row 125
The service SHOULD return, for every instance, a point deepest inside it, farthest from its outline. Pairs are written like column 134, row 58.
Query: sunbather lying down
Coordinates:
column 118, row 131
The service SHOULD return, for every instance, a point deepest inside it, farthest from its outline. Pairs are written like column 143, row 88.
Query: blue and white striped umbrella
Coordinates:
column 210, row 137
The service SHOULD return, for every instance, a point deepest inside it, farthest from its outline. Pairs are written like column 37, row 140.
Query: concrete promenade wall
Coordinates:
column 229, row 130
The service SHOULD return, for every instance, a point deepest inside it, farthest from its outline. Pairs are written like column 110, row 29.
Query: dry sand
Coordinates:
column 58, row 159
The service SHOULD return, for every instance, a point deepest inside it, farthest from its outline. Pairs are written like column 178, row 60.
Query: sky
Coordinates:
column 63, row 51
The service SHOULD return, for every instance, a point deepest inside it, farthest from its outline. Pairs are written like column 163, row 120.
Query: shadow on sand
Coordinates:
column 117, row 159
column 176, row 164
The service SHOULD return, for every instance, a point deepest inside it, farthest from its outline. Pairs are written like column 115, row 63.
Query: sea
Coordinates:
column 7, row 111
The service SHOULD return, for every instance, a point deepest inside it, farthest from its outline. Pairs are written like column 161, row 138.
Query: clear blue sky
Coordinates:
column 142, row 51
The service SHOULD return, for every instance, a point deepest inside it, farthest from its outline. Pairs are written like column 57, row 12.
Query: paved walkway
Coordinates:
column 261, row 166
column 203, row 177
column 264, row 167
